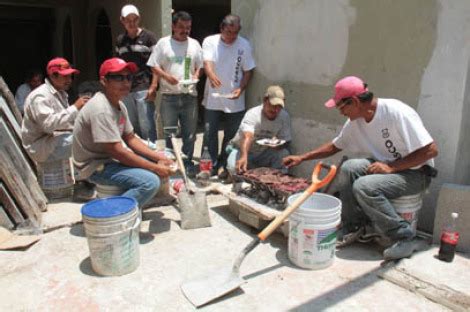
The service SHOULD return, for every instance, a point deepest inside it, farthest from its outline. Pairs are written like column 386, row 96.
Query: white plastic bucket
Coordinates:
column 105, row 191
column 112, row 228
column 56, row 179
column 408, row 207
column 312, row 231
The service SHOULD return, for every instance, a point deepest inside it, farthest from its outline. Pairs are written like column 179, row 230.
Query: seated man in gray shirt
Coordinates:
column 263, row 135
column 100, row 131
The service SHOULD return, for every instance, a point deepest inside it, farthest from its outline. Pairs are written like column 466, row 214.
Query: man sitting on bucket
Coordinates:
column 400, row 163
column 100, row 130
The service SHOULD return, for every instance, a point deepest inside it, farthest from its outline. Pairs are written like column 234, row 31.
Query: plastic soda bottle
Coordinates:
column 205, row 164
column 449, row 240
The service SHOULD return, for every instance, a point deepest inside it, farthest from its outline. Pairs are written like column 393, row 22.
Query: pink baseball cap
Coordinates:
column 60, row 66
column 116, row 64
column 345, row 88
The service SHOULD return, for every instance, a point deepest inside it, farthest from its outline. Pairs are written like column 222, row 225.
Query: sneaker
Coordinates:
column 191, row 171
column 403, row 248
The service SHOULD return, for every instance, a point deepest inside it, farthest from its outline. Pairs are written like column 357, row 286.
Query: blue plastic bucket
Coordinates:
column 112, row 228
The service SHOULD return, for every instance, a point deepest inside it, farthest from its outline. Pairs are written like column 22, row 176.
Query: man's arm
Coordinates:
column 152, row 91
column 414, row 159
column 210, row 72
column 243, row 84
column 164, row 75
column 323, row 151
column 245, row 144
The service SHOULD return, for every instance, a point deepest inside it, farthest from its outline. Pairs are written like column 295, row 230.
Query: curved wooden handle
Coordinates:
column 316, row 184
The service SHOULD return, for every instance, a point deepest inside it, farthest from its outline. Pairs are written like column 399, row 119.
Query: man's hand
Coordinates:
column 171, row 79
column 242, row 165
column 291, row 161
column 215, row 81
column 151, row 95
column 166, row 162
column 379, row 167
column 81, row 101
column 236, row 93
column 162, row 171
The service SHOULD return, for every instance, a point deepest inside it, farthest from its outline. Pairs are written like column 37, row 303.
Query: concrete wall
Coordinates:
column 416, row 51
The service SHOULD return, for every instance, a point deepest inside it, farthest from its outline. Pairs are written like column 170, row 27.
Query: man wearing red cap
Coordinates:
column 48, row 120
column 100, row 131
column 400, row 162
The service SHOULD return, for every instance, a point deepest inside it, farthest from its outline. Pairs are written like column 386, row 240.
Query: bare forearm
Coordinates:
column 141, row 149
column 416, row 158
column 209, row 69
column 129, row 158
column 245, row 145
column 323, row 151
column 246, row 79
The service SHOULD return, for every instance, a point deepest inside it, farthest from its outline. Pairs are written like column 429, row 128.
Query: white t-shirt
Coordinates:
column 395, row 131
column 263, row 128
column 229, row 63
column 21, row 94
column 179, row 59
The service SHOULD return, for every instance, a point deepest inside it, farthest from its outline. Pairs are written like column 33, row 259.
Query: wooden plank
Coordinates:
column 9, row 205
column 10, row 99
column 10, row 117
column 5, row 220
column 21, row 166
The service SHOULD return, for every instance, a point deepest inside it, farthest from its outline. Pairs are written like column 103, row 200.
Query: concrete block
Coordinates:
column 234, row 207
column 252, row 220
column 454, row 198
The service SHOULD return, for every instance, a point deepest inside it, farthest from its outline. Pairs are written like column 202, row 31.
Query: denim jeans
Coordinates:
column 182, row 108
column 231, row 123
column 140, row 184
column 365, row 197
column 141, row 114
column 271, row 158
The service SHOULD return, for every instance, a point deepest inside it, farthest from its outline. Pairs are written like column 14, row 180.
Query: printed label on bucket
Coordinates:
column 311, row 248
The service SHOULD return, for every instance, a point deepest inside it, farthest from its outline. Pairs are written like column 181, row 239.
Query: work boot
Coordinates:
column 403, row 248
column 84, row 191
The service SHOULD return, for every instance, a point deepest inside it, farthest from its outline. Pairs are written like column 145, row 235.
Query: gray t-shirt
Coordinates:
column 263, row 128
column 98, row 122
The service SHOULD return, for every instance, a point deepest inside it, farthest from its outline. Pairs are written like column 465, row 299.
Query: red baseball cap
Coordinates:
column 116, row 64
column 347, row 87
column 60, row 66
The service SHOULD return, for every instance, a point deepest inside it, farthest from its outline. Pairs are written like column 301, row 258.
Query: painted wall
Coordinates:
column 416, row 51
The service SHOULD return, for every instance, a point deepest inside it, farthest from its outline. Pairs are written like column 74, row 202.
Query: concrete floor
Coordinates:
column 55, row 274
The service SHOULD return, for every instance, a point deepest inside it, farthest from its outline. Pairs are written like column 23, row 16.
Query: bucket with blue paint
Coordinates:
column 112, row 228
column 312, row 231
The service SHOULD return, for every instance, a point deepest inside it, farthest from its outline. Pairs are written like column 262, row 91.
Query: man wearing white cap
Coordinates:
column 263, row 136
column 135, row 45
column 400, row 162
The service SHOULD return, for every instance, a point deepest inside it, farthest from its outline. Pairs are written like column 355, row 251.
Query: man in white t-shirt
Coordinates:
column 177, row 61
column 228, row 63
column 268, row 121
column 34, row 79
column 400, row 162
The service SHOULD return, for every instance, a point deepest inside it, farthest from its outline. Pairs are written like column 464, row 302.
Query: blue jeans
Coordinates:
column 140, row 184
column 231, row 123
column 141, row 114
column 271, row 158
column 182, row 108
column 365, row 197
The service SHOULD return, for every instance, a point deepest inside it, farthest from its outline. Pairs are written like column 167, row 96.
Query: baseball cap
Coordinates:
column 275, row 94
column 129, row 9
column 347, row 87
column 116, row 64
column 60, row 66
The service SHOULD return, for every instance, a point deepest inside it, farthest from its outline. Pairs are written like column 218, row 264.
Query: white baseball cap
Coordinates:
column 129, row 9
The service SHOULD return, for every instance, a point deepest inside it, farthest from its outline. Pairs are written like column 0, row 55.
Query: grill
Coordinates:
column 269, row 186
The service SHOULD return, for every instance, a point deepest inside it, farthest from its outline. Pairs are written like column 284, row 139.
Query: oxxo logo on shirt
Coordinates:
column 389, row 144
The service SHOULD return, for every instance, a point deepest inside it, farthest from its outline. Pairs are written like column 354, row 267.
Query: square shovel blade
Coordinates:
column 194, row 210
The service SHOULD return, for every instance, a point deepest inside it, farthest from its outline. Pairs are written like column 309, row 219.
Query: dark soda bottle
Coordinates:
column 449, row 240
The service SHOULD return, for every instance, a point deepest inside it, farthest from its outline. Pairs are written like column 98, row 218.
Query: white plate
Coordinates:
column 269, row 142
column 188, row 81
column 221, row 95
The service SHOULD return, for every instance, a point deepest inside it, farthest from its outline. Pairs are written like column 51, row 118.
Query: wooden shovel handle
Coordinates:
column 179, row 160
column 316, row 184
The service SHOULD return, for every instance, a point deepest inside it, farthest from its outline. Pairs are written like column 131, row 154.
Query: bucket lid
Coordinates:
column 109, row 207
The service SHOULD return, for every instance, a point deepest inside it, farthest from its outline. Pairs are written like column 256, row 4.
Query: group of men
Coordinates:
column 106, row 143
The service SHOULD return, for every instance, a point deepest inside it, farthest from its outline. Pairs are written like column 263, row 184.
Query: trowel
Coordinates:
column 192, row 202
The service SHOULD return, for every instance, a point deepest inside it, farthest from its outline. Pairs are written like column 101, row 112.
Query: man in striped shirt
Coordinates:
column 135, row 45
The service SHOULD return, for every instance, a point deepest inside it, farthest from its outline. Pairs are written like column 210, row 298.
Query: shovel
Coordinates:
column 192, row 203
column 217, row 284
